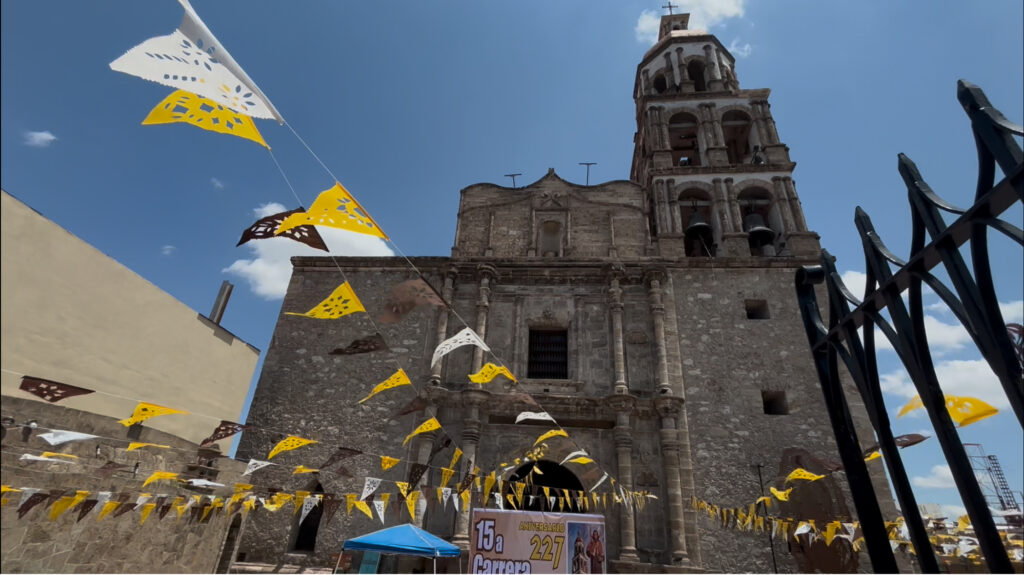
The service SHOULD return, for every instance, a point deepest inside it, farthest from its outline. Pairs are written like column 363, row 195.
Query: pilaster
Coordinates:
column 486, row 274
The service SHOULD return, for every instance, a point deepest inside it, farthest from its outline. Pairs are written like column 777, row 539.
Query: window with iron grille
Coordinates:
column 549, row 354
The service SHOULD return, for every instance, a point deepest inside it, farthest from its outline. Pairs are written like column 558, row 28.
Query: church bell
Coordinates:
column 758, row 233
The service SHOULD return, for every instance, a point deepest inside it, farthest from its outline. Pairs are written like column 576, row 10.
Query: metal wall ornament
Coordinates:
column 972, row 299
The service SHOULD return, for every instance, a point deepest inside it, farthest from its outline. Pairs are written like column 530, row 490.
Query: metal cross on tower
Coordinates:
column 669, row 6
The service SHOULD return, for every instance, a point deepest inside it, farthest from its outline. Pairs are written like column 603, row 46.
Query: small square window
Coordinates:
column 774, row 402
column 757, row 309
column 549, row 354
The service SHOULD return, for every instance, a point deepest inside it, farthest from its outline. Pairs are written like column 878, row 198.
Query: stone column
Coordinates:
column 668, row 410
column 473, row 404
column 716, row 153
column 794, row 204
column 773, row 135
column 615, row 307
column 623, row 407
column 654, row 298
column 735, row 241
column 670, row 70
column 757, row 108
column 711, row 61
column 721, row 200
column 646, row 87
column 781, row 199
column 673, row 206
column 442, row 322
column 483, row 304
column 663, row 223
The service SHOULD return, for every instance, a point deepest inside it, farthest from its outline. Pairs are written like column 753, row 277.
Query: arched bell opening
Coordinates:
column 761, row 221
column 699, row 229
column 660, row 83
column 684, row 139
column 695, row 69
column 740, row 139
column 306, row 529
column 536, row 475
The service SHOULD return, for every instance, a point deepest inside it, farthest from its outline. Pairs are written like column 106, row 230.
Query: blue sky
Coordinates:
column 409, row 102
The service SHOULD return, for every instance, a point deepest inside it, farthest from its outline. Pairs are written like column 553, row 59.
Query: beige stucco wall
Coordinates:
column 72, row 314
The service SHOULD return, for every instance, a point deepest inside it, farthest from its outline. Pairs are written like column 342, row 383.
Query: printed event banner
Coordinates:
column 537, row 542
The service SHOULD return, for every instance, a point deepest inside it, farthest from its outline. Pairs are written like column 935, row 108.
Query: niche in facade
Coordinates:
column 551, row 239
column 684, row 140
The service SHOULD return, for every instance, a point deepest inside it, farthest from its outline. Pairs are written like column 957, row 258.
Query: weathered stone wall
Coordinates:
column 34, row 544
column 304, row 390
column 595, row 221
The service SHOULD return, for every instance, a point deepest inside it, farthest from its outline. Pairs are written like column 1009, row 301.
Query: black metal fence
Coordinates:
column 972, row 299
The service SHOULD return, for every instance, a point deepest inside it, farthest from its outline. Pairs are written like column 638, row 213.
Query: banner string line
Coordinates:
column 145, row 470
column 449, row 307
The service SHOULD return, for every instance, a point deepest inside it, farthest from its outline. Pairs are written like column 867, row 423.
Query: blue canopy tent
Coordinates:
column 404, row 540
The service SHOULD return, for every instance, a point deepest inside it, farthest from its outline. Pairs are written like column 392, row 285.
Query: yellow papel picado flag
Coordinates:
column 144, row 411
column 289, row 443
column 428, row 425
column 65, row 503
column 335, row 208
column 182, row 106
column 303, row 469
column 160, row 476
column 398, row 379
column 139, row 445
column 550, row 434
column 962, row 410
column 341, row 302
column 489, row 371
column 388, row 462
column 781, row 495
column 801, row 473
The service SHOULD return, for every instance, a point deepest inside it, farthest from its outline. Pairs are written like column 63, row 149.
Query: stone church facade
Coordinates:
column 655, row 319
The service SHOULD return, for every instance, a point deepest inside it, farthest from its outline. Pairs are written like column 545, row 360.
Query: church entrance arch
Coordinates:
column 548, row 474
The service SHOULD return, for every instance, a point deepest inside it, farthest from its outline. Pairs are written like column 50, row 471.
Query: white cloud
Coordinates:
column 167, row 250
column 972, row 378
column 217, row 183
column 39, row 139
column 940, row 478
column 270, row 269
column 647, row 27
column 953, row 511
column 740, row 50
column 1013, row 311
column 704, row 14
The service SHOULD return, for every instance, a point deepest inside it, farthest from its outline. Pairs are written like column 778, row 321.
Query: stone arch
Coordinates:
column 553, row 476
column 696, row 68
column 740, row 132
column 697, row 212
column 662, row 82
column 760, row 217
column 684, row 137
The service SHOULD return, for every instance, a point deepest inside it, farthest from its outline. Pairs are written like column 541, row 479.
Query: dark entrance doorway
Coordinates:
column 227, row 553
column 305, row 535
column 550, row 475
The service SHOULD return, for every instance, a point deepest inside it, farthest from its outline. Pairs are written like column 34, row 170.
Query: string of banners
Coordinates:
column 747, row 519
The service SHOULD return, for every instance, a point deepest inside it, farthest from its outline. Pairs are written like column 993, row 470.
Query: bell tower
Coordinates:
column 718, row 180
